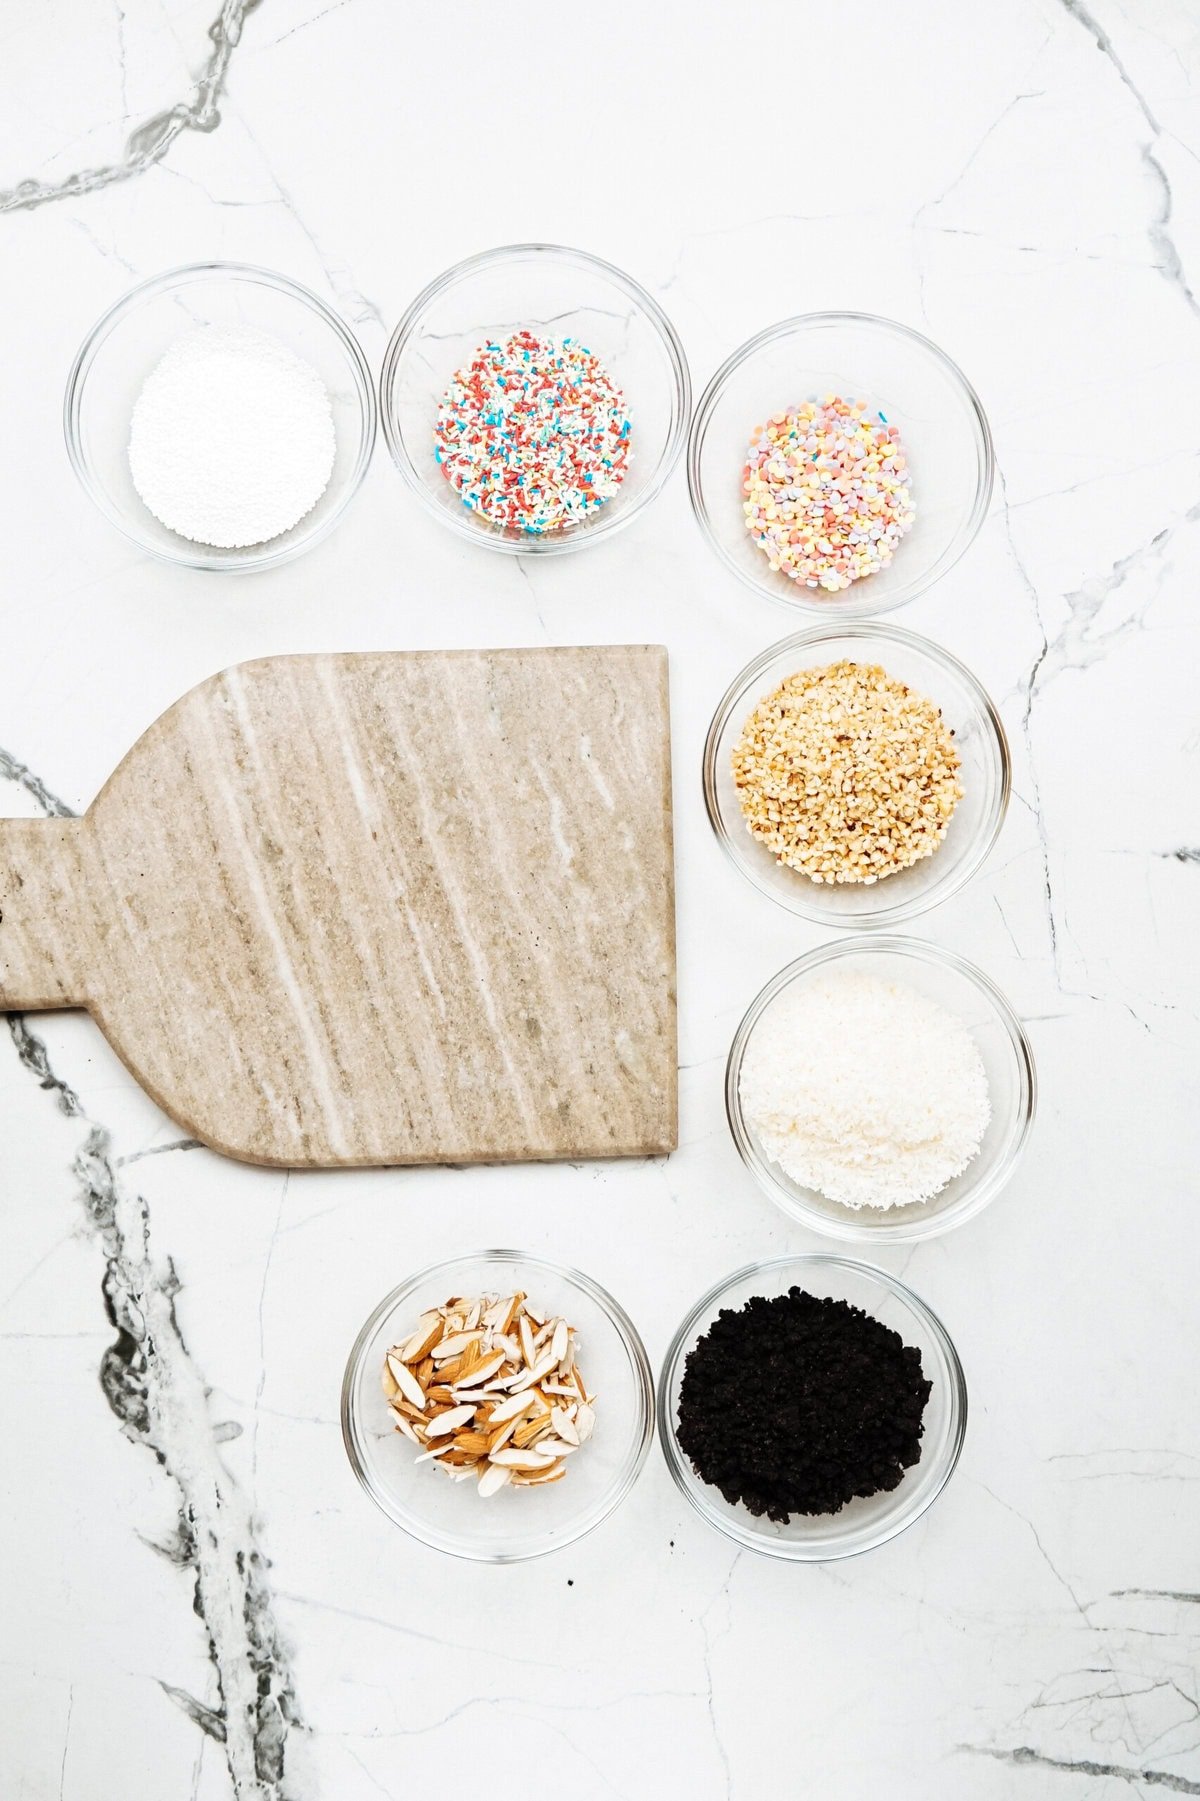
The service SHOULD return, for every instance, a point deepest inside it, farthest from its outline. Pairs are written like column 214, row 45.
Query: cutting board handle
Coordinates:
column 41, row 920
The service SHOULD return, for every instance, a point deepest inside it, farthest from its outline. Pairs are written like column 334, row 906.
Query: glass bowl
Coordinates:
column 514, row 1524
column 985, row 775
column 862, row 1524
column 126, row 343
column 943, row 430
column 574, row 295
column 1007, row 1059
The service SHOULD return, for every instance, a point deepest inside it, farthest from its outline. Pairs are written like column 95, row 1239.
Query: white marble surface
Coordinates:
column 1022, row 181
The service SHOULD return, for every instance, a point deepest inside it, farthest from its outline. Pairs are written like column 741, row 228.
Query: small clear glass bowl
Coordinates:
column 985, row 775
column 1007, row 1060
column 896, row 371
column 127, row 342
column 544, row 287
column 516, row 1523
column 862, row 1524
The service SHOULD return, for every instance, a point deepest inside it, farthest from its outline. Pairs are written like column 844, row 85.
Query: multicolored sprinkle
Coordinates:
column 533, row 434
column 828, row 494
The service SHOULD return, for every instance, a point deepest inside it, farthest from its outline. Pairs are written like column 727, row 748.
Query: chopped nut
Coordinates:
column 846, row 775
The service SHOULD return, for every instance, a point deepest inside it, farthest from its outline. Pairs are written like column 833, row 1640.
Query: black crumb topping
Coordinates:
column 799, row 1404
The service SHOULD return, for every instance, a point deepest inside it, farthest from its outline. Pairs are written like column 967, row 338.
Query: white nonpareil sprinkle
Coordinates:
column 232, row 439
column 865, row 1090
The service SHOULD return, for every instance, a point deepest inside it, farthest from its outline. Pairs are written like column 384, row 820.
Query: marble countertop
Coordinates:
column 197, row 1600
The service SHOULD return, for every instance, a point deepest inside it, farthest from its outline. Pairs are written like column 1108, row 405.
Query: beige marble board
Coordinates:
column 407, row 907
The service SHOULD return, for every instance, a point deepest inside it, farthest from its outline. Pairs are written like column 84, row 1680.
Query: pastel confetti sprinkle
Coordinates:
column 533, row 434
column 828, row 492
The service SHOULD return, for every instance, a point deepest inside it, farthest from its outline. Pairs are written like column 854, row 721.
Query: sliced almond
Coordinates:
column 508, row 1381
column 540, row 1480
column 530, row 1430
column 487, row 1388
column 511, row 1458
column 494, row 1477
column 398, row 1404
column 430, row 1327
column 406, row 1382
column 564, row 1425
column 510, row 1408
column 501, row 1437
column 536, row 1374
column 509, row 1318
column 474, row 1443
column 483, row 1372
column 454, row 1346
column 453, row 1420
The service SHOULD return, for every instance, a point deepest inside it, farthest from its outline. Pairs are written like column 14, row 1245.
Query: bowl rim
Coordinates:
column 635, row 1349
column 809, row 906
column 839, row 606
column 150, row 289
column 608, row 520
column 691, row 1485
column 977, row 1195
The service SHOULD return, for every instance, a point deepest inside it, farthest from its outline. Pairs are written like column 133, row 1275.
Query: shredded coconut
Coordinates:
column 232, row 439
column 865, row 1090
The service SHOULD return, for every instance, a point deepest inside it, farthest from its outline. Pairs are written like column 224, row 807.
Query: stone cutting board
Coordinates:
column 412, row 907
